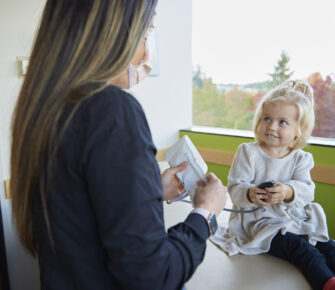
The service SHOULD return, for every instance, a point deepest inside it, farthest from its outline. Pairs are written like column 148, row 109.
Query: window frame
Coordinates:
column 250, row 134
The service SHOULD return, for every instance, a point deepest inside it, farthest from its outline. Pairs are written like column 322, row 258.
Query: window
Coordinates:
column 242, row 48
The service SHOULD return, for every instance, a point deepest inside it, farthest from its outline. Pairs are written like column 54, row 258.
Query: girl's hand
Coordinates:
column 258, row 196
column 281, row 192
column 172, row 187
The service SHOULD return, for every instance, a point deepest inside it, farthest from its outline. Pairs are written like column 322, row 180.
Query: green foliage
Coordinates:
column 227, row 109
column 233, row 108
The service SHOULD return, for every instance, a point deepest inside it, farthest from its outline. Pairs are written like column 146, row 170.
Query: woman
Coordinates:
column 87, row 192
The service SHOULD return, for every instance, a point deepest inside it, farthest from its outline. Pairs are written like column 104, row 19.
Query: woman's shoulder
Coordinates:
column 112, row 100
column 108, row 114
column 111, row 105
column 109, row 110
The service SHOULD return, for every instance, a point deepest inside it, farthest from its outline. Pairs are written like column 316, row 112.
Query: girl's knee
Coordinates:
column 288, row 245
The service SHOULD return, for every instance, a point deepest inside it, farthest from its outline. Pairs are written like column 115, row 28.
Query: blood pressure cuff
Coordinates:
column 184, row 150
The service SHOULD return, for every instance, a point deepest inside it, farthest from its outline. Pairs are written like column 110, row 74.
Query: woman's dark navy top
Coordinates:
column 105, row 207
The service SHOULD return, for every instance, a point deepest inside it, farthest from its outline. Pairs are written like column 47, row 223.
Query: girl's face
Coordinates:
column 278, row 126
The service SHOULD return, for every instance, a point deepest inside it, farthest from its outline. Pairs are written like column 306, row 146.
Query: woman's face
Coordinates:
column 122, row 81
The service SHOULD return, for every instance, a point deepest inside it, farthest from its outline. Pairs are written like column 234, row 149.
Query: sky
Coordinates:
column 240, row 41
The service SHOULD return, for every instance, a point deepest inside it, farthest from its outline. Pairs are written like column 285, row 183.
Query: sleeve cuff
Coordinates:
column 199, row 224
column 240, row 196
column 291, row 184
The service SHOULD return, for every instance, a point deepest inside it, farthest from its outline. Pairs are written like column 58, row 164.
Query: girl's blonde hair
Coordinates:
column 79, row 47
column 296, row 92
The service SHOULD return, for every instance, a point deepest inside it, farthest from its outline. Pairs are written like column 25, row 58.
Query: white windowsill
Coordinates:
column 250, row 134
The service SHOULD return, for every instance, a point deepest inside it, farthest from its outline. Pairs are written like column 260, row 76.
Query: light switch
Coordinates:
column 22, row 65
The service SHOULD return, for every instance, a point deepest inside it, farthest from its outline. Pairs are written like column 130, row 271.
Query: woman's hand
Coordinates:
column 172, row 187
column 211, row 195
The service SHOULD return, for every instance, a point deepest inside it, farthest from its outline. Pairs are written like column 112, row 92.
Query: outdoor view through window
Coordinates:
column 242, row 49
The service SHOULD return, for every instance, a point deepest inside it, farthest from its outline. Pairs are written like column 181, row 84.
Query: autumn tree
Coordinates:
column 324, row 95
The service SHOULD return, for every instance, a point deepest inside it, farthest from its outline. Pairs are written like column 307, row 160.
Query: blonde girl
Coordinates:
column 291, row 226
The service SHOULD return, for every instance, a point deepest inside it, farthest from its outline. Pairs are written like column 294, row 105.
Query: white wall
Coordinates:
column 18, row 22
column 166, row 99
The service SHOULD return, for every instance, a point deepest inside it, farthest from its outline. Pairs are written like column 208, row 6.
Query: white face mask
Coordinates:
column 139, row 72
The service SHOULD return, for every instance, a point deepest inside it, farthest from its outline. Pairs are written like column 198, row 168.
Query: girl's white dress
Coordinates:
column 251, row 233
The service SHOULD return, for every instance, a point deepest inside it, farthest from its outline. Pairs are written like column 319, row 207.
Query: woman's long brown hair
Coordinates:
column 79, row 47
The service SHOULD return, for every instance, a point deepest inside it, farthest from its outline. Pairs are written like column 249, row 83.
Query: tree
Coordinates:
column 219, row 108
column 206, row 101
column 281, row 72
column 198, row 77
column 324, row 95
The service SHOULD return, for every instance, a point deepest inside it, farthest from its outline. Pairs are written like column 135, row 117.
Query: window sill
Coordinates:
column 250, row 134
